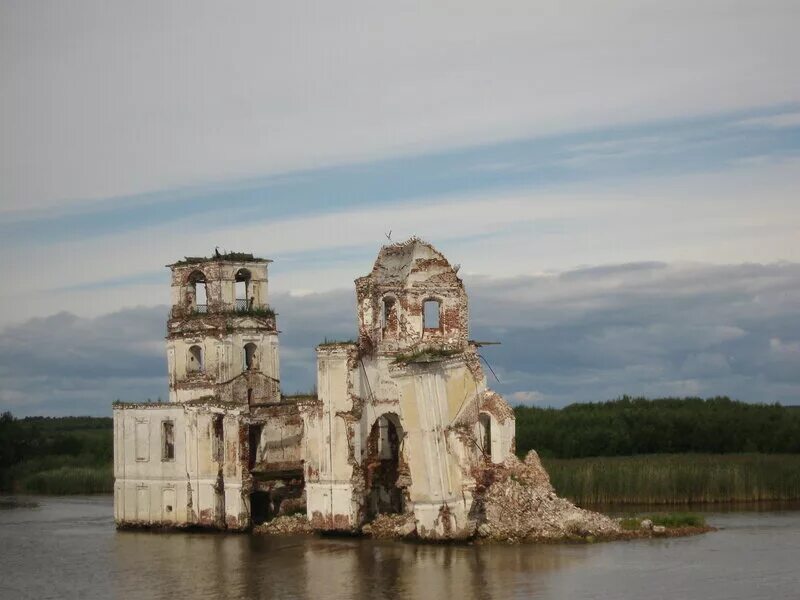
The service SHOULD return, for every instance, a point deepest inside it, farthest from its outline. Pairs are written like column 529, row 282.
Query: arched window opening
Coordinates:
column 244, row 293
column 195, row 364
column 389, row 315
column 250, row 356
column 198, row 292
column 431, row 314
column 485, row 441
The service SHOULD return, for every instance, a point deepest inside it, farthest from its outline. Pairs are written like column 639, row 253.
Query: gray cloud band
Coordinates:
column 593, row 334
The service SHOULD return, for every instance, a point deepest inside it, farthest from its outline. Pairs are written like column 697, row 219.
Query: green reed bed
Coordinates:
column 69, row 480
column 60, row 475
column 677, row 478
column 668, row 520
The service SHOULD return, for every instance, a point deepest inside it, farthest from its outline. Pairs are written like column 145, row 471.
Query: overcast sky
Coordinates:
column 619, row 182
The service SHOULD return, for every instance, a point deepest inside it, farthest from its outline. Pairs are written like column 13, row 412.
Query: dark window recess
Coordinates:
column 260, row 509
column 195, row 364
column 486, row 434
column 253, row 438
column 388, row 313
column 167, row 440
column 218, row 445
column 249, row 356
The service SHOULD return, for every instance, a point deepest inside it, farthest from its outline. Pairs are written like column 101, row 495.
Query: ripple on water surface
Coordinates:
column 68, row 548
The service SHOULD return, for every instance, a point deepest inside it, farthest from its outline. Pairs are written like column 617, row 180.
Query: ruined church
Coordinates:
column 401, row 423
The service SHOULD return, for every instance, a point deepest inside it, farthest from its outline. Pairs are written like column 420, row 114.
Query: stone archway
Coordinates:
column 386, row 474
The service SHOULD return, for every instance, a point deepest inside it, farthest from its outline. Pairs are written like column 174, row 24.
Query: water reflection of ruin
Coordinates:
column 252, row 567
column 402, row 418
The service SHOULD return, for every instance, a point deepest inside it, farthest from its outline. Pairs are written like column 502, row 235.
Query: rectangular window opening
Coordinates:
column 218, row 444
column 387, row 314
column 430, row 314
column 167, row 440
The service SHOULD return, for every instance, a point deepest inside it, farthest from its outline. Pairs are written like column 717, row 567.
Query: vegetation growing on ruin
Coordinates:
column 431, row 354
column 229, row 256
column 326, row 342
column 255, row 311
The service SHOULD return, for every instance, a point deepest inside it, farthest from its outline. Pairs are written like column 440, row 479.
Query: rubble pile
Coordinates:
column 391, row 526
column 285, row 525
column 520, row 504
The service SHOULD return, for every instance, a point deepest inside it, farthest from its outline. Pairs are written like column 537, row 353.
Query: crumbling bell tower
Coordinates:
column 405, row 417
column 221, row 334
column 226, row 451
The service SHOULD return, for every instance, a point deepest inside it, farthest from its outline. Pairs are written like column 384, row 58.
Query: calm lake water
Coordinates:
column 68, row 548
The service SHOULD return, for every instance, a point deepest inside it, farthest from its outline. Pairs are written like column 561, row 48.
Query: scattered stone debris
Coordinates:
column 391, row 527
column 285, row 525
column 520, row 504
column 637, row 528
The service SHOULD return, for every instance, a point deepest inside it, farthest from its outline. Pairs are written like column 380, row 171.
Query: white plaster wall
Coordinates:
column 435, row 481
column 330, row 499
column 146, row 485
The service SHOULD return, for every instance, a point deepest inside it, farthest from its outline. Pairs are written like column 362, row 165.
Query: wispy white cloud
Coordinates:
column 105, row 98
column 778, row 121
column 749, row 214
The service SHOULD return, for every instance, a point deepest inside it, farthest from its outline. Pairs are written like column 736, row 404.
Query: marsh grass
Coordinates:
column 669, row 520
column 62, row 475
column 70, row 480
column 677, row 478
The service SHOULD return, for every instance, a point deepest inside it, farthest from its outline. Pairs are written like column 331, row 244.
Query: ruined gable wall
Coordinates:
column 410, row 274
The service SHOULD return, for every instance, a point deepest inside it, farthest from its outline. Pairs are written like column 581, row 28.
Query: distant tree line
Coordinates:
column 35, row 444
column 623, row 427
column 629, row 426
